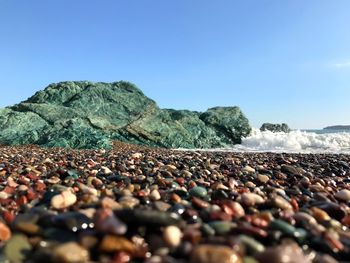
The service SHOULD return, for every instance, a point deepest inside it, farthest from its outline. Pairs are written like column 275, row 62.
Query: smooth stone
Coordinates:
column 343, row 195
column 198, row 191
column 129, row 202
column 214, row 253
column 70, row 252
column 287, row 229
column 251, row 199
column 106, row 222
column 161, row 206
column 248, row 169
column 136, row 155
column 112, row 244
column 155, row 195
column 303, row 217
column 252, row 246
column 105, row 170
column 285, row 253
column 208, row 230
column 63, row 200
column 27, row 223
column 262, row 178
column 334, row 210
column 17, row 248
column 320, row 215
column 281, row 203
column 249, row 260
column 291, row 169
column 5, row 232
column 222, row 227
column 172, row 236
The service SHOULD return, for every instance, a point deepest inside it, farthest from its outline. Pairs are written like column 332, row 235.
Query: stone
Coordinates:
column 343, row 195
column 262, row 178
column 155, row 195
column 198, row 191
column 63, row 200
column 251, row 199
column 251, row 245
column 106, row 222
column 111, row 244
column 214, row 253
column 275, row 127
column 83, row 114
column 105, row 170
column 222, row 227
column 281, row 203
column 285, row 253
column 172, row 236
column 248, row 169
column 70, row 252
column 5, row 232
column 17, row 248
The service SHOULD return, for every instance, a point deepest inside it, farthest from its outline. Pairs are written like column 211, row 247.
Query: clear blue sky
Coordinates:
column 279, row 60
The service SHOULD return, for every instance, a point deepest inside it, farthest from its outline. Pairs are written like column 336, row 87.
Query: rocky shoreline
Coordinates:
column 138, row 204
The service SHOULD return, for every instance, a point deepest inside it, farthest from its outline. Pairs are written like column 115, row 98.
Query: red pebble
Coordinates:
column 22, row 200
column 8, row 217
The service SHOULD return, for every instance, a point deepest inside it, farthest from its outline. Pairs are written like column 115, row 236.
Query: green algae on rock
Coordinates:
column 84, row 114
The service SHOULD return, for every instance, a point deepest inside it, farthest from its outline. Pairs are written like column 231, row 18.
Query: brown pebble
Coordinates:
column 214, row 253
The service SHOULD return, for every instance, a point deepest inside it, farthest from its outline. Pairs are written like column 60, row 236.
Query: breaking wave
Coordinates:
column 295, row 141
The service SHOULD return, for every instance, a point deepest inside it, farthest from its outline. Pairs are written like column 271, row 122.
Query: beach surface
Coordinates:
column 138, row 204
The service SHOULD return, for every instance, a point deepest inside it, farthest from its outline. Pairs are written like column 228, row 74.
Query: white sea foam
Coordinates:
column 295, row 141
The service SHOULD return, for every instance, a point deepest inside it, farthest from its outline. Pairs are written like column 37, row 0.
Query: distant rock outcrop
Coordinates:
column 91, row 115
column 337, row 127
column 283, row 127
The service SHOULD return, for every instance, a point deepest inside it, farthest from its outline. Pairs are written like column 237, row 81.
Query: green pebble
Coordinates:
column 208, row 230
column 221, row 227
column 252, row 246
column 198, row 191
column 249, row 260
column 17, row 248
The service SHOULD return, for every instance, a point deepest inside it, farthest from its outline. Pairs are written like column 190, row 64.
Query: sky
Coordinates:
column 280, row 61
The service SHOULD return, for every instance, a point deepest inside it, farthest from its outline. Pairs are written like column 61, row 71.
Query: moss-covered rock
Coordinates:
column 283, row 127
column 91, row 115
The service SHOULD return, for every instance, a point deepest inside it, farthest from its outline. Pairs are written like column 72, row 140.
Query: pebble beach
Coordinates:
column 138, row 204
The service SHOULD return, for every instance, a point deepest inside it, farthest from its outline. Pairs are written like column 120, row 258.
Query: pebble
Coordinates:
column 285, row 253
column 5, row 232
column 106, row 222
column 263, row 178
column 17, row 248
column 251, row 199
column 281, row 203
column 172, row 236
column 155, row 195
column 70, row 252
column 112, row 244
column 248, row 169
column 63, row 200
column 172, row 206
column 343, row 195
column 199, row 192
column 214, row 253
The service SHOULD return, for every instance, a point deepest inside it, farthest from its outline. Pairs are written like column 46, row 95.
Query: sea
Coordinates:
column 296, row 141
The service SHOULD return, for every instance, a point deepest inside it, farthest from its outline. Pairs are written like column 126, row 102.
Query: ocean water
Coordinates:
column 296, row 141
